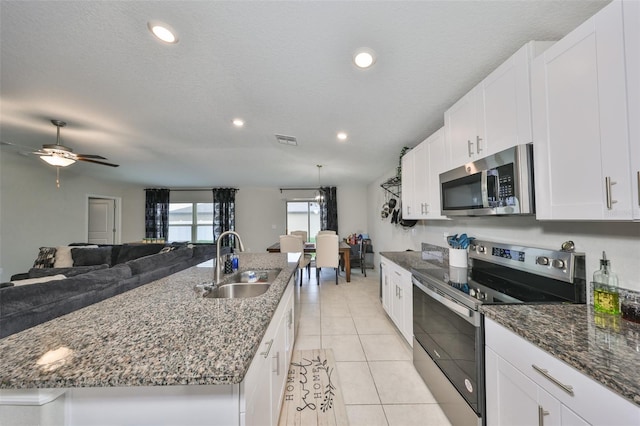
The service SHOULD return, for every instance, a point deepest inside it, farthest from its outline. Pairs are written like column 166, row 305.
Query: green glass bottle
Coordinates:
column 605, row 289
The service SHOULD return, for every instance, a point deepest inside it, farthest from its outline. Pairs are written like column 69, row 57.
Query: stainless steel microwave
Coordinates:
column 500, row 184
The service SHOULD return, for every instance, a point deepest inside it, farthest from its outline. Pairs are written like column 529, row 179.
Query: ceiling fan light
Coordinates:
column 57, row 160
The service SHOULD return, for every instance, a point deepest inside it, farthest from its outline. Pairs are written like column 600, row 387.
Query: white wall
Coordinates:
column 261, row 214
column 34, row 213
column 620, row 240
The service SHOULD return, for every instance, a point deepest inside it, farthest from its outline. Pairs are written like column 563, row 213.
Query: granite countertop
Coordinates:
column 437, row 257
column 603, row 347
column 155, row 335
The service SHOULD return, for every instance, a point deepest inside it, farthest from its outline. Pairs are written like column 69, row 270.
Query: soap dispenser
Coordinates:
column 605, row 289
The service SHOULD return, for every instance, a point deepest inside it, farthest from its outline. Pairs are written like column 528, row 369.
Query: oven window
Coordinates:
column 463, row 193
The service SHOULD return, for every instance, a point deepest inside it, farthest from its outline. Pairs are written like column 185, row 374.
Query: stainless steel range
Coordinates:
column 448, row 326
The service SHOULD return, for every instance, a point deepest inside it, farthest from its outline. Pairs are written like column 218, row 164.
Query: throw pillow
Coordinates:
column 39, row 280
column 83, row 256
column 46, row 258
column 63, row 257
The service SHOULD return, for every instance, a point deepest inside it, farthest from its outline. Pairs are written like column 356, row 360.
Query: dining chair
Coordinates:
column 327, row 254
column 294, row 244
column 328, row 231
column 303, row 234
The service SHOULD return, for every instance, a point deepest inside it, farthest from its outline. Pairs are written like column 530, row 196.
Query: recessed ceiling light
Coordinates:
column 238, row 122
column 342, row 136
column 162, row 32
column 364, row 58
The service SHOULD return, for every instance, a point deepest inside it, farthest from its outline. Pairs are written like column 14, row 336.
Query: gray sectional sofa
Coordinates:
column 128, row 266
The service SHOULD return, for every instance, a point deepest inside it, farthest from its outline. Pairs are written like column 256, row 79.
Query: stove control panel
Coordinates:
column 557, row 264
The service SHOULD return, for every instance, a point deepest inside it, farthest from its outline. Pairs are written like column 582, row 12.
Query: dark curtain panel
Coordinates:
column 224, row 216
column 156, row 213
column 329, row 209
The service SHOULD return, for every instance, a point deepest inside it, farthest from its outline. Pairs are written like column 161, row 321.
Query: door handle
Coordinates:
column 266, row 353
column 541, row 413
column 567, row 388
column 478, row 139
column 277, row 358
column 469, row 148
column 638, row 174
column 607, row 184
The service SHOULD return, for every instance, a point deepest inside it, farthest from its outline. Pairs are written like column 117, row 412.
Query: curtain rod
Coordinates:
column 299, row 189
column 195, row 189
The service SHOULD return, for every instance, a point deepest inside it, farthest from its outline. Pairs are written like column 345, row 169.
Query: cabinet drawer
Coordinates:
column 589, row 399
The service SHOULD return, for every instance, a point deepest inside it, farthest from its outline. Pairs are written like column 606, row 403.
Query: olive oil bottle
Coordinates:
column 605, row 289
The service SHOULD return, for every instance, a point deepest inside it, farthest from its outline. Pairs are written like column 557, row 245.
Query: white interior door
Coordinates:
column 102, row 221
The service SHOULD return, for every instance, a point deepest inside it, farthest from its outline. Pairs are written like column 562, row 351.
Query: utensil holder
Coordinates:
column 458, row 265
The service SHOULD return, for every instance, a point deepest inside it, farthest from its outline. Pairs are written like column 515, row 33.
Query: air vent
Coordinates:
column 287, row 140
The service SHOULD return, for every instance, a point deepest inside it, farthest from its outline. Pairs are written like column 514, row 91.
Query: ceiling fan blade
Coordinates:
column 95, row 157
column 98, row 162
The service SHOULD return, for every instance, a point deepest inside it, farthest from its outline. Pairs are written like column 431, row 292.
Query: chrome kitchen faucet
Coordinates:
column 238, row 243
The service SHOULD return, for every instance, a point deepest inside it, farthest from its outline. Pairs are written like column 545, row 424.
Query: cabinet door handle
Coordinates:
column 607, row 183
column 399, row 293
column 266, row 353
column 478, row 139
column 408, row 210
column 277, row 358
column 638, row 175
column 541, row 413
column 469, row 148
column 567, row 388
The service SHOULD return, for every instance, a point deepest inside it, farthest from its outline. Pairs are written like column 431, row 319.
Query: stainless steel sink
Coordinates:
column 258, row 276
column 239, row 285
column 238, row 290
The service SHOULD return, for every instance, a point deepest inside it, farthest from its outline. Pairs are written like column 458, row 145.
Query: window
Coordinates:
column 191, row 222
column 304, row 216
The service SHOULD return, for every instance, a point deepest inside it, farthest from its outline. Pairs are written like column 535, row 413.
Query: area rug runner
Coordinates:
column 312, row 394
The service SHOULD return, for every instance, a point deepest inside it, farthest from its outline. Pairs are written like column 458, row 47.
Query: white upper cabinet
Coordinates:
column 496, row 114
column 421, row 168
column 581, row 120
column 632, row 54
column 464, row 130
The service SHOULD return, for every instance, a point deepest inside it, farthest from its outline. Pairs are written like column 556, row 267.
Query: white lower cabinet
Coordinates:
column 262, row 389
column 397, row 297
column 527, row 386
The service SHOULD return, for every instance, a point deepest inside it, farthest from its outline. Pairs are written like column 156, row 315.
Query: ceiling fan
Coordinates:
column 61, row 156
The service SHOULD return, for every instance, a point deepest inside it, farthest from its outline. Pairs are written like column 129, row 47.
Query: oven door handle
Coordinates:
column 463, row 311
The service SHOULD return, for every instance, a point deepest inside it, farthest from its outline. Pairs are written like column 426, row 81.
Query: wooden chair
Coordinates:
column 294, row 244
column 327, row 254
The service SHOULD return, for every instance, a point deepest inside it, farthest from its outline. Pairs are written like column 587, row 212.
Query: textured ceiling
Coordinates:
column 163, row 112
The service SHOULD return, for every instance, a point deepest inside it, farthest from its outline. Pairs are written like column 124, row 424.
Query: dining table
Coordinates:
column 344, row 250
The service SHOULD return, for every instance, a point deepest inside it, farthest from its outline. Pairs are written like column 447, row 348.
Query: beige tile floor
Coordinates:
column 374, row 362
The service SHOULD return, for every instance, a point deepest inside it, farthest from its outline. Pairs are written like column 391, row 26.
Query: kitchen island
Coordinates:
column 159, row 341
